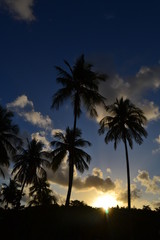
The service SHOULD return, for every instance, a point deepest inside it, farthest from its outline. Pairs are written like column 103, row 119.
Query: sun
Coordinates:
column 105, row 202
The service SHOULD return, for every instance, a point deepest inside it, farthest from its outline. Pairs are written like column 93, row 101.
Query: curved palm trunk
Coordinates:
column 71, row 165
column 128, row 174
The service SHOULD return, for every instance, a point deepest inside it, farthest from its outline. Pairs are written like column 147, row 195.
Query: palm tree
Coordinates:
column 69, row 145
column 125, row 123
column 9, row 140
column 41, row 193
column 29, row 164
column 10, row 193
column 81, row 84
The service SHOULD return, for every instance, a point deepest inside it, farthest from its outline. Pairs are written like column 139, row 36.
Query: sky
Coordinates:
column 120, row 39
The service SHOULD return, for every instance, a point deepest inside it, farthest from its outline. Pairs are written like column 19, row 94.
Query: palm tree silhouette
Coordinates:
column 9, row 140
column 81, row 84
column 125, row 123
column 41, row 193
column 10, row 193
column 69, row 145
column 29, row 164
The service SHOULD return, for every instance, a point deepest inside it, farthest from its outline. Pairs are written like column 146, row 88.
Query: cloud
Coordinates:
column 20, row 102
column 156, row 204
column 147, row 80
column 108, row 170
column 151, row 185
column 158, row 139
column 54, row 131
column 25, row 108
column 135, row 194
column 36, row 118
column 41, row 136
column 92, row 181
column 20, row 9
column 157, row 150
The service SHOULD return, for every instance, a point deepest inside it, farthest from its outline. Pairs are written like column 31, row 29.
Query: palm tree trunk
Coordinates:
column 75, row 116
column 71, row 170
column 128, row 174
column 71, row 160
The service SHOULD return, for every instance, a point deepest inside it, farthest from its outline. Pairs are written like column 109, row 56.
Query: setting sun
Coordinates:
column 105, row 201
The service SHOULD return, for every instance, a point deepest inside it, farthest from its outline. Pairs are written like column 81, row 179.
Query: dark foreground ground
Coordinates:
column 78, row 223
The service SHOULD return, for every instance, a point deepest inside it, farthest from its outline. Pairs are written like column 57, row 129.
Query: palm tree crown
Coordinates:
column 9, row 140
column 81, row 84
column 29, row 163
column 70, row 145
column 65, row 145
column 126, row 121
column 10, row 193
column 41, row 193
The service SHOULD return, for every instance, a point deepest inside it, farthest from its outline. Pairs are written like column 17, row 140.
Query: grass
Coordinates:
column 86, row 223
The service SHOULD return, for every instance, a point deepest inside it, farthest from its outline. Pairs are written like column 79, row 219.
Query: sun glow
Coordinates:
column 105, row 202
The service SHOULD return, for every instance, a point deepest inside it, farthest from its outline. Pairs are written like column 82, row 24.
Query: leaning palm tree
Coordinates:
column 41, row 193
column 69, row 145
column 29, row 164
column 125, row 122
column 81, row 84
column 9, row 140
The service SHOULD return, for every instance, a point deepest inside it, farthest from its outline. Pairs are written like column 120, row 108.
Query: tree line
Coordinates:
column 123, row 122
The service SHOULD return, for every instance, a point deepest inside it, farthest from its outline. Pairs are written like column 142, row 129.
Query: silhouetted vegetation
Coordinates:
column 79, row 222
column 75, row 220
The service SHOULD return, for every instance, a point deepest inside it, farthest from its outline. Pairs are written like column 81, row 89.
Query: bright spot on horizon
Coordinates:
column 105, row 202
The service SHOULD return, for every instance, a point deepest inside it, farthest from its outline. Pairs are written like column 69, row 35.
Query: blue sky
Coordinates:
column 120, row 38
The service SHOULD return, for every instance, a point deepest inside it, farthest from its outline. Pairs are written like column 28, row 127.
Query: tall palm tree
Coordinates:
column 69, row 145
column 10, row 193
column 29, row 164
column 41, row 193
column 9, row 140
column 125, row 122
column 81, row 84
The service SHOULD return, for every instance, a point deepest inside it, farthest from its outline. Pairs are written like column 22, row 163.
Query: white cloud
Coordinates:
column 20, row 9
column 41, row 136
column 158, row 139
column 54, row 131
column 97, row 172
column 157, row 150
column 108, row 170
column 151, row 185
column 135, row 88
column 21, row 102
column 36, row 118
column 20, row 106
column 150, row 110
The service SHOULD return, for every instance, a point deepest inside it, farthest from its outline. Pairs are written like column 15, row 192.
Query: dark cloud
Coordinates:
column 135, row 194
column 95, row 180
column 20, row 9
